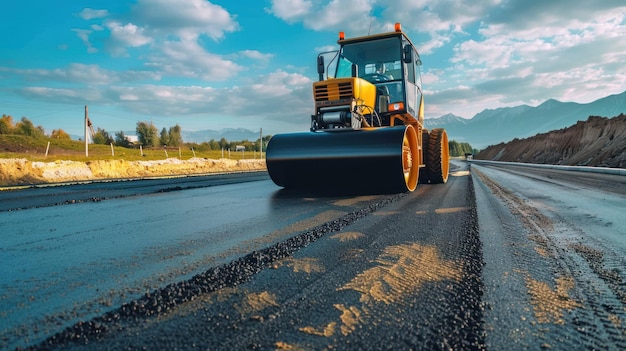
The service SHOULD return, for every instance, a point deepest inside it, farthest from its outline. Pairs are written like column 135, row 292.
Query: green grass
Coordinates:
column 20, row 146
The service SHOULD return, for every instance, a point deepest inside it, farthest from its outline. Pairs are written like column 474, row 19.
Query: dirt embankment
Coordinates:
column 598, row 141
column 24, row 172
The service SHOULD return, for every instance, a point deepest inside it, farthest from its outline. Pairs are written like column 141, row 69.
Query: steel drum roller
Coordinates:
column 365, row 158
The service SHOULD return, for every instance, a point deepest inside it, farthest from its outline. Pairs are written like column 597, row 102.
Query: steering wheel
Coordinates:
column 375, row 77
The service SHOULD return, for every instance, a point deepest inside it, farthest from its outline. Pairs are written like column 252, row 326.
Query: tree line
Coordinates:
column 26, row 127
column 460, row 149
column 148, row 135
column 224, row 144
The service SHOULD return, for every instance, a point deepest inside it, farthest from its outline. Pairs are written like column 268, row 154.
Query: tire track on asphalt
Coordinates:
column 569, row 308
column 160, row 302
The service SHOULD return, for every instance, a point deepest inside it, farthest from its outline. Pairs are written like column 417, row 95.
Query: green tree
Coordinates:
column 223, row 143
column 459, row 149
column 59, row 134
column 101, row 136
column 203, row 146
column 214, row 145
column 121, row 140
column 147, row 134
column 453, row 146
column 175, row 137
column 26, row 127
column 164, row 139
column 6, row 125
column 266, row 140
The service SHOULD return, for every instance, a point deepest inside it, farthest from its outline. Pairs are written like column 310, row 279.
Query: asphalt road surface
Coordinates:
column 499, row 257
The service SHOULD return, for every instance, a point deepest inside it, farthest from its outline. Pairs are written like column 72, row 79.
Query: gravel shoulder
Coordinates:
column 20, row 172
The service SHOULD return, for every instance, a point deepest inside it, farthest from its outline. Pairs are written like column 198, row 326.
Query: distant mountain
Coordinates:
column 448, row 119
column 493, row 126
column 230, row 134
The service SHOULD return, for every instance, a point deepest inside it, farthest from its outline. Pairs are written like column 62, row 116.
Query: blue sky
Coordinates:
column 250, row 64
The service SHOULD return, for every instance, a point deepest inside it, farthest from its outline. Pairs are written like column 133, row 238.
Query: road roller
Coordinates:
column 367, row 130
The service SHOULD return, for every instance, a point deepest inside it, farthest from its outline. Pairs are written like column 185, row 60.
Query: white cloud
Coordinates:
column 291, row 10
column 436, row 42
column 88, row 74
column 351, row 15
column 61, row 95
column 529, row 52
column 75, row 73
column 432, row 77
column 281, row 96
column 88, row 14
column 162, row 100
column 189, row 59
column 84, row 34
column 170, row 34
column 520, row 15
column 187, row 19
column 439, row 18
column 129, row 97
column 280, row 83
column 124, row 36
column 78, row 73
column 256, row 55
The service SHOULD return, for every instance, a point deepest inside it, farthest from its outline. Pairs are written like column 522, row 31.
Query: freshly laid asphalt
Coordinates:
column 403, row 272
column 482, row 262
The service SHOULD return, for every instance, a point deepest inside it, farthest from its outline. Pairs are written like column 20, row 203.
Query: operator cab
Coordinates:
column 391, row 63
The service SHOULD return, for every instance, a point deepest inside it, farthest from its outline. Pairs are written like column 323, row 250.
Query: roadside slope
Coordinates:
column 598, row 141
column 24, row 172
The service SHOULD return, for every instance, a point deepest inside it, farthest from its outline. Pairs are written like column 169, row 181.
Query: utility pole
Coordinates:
column 87, row 122
column 88, row 131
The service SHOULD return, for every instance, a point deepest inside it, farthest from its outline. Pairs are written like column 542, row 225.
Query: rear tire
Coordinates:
column 438, row 157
